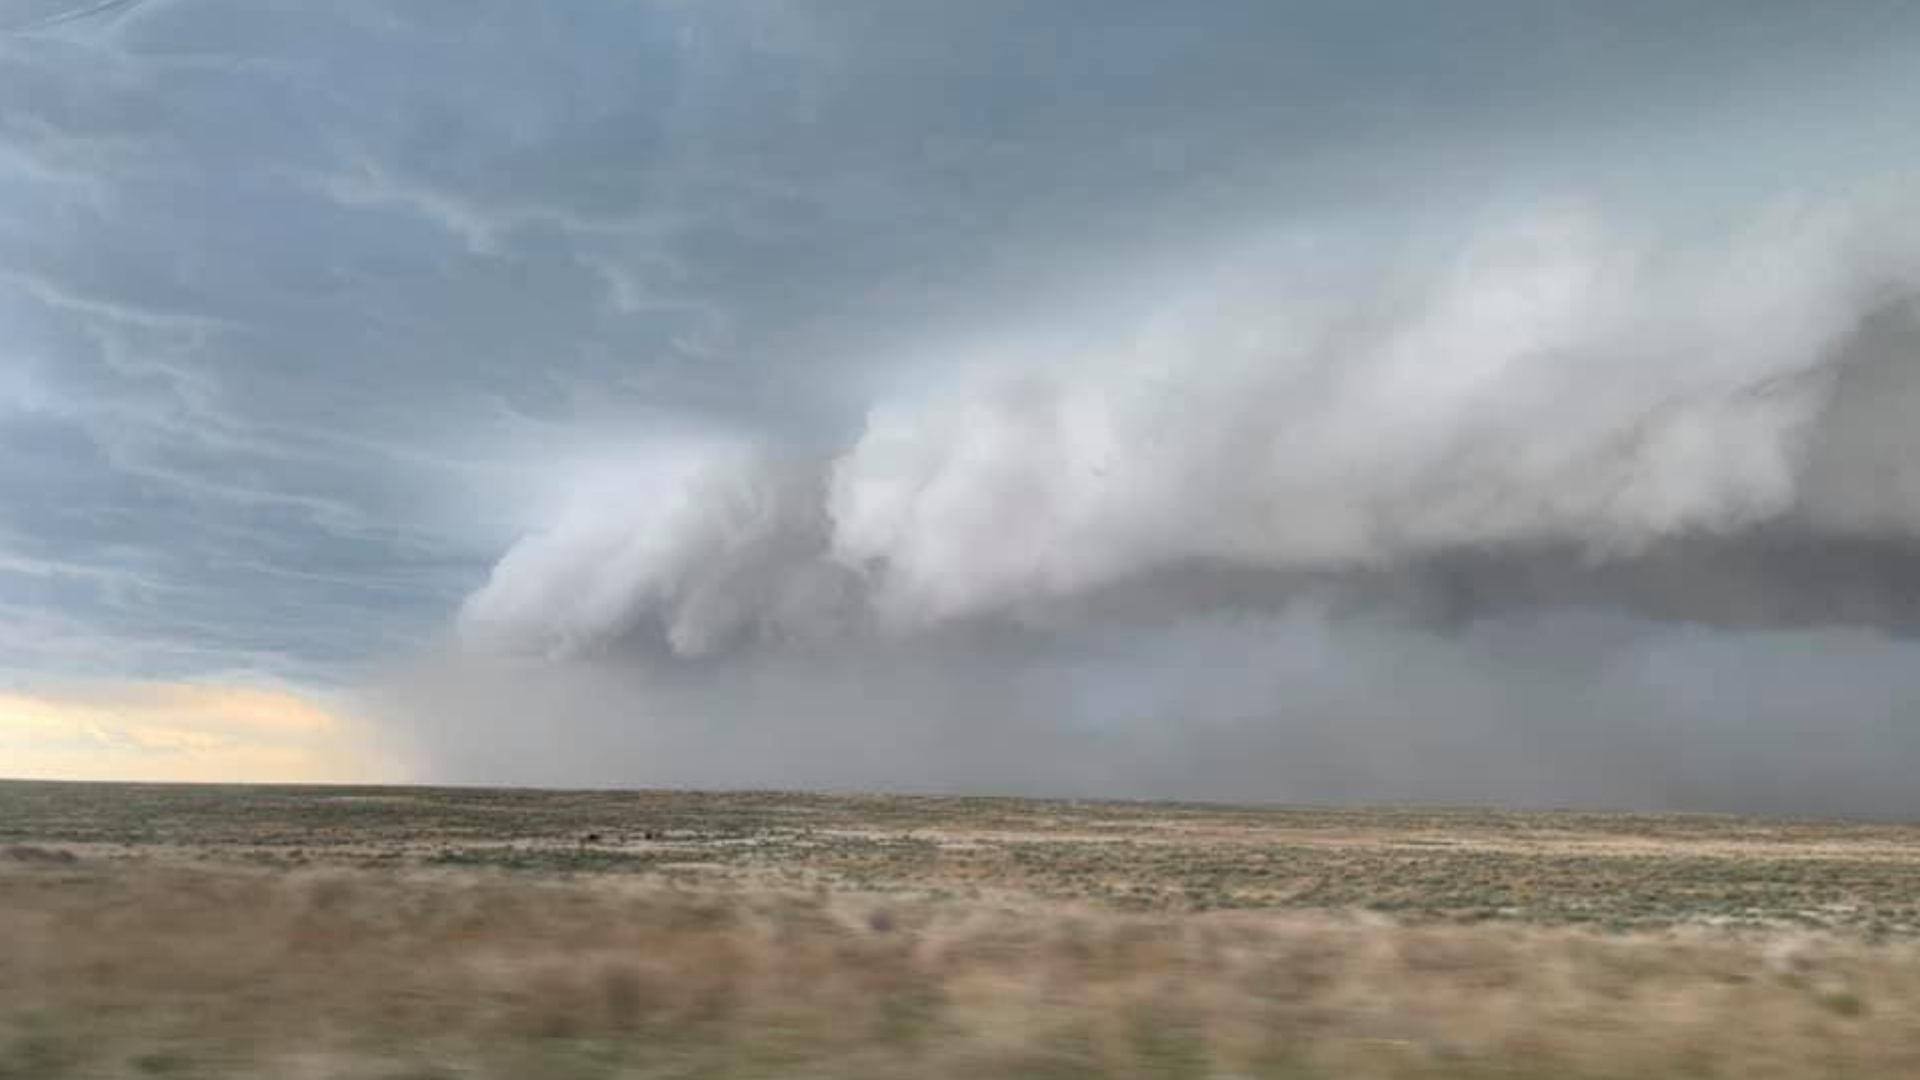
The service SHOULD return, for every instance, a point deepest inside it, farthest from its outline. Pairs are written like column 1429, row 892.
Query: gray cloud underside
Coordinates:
column 1560, row 711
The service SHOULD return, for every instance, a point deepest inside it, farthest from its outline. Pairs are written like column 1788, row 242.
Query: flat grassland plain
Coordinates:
column 415, row 934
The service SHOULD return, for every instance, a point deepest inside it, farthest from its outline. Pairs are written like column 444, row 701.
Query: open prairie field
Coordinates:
column 407, row 934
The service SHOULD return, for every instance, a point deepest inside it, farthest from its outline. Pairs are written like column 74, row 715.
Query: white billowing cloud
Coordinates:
column 1554, row 381
column 703, row 540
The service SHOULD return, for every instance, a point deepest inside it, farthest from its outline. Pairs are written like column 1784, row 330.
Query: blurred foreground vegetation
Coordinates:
column 407, row 934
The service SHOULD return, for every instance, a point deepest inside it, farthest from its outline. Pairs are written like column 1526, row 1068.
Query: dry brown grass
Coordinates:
column 1614, row 871
column 411, row 934
column 131, row 971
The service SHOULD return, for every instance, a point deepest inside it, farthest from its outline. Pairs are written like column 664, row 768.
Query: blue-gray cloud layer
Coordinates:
column 310, row 314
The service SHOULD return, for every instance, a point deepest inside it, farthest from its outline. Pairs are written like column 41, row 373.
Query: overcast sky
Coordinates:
column 1362, row 401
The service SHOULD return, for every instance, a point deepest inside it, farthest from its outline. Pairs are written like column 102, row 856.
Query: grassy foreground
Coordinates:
column 408, row 935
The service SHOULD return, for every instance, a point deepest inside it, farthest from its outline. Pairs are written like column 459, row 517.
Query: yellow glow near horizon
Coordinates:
column 185, row 732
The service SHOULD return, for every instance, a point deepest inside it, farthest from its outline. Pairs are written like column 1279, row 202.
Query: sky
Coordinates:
column 1490, row 402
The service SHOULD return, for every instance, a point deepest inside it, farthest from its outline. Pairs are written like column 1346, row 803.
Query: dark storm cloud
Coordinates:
column 1558, row 419
column 948, row 377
